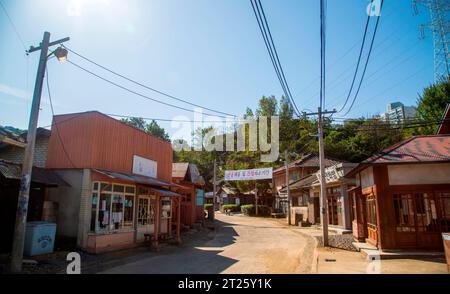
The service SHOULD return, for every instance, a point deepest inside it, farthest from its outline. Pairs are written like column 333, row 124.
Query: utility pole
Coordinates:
column 286, row 164
column 323, row 188
column 256, row 199
column 27, row 165
column 214, row 187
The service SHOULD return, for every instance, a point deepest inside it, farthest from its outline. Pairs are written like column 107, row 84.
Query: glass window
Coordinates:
column 117, row 211
column 443, row 199
column 146, row 211
column 95, row 186
column 104, row 217
column 166, row 208
column 371, row 211
column 112, row 210
column 105, row 187
column 404, row 212
column 426, row 213
column 129, row 189
column 94, row 210
column 128, row 211
column 119, row 188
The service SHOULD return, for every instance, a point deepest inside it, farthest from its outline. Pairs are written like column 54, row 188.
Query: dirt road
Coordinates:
column 240, row 245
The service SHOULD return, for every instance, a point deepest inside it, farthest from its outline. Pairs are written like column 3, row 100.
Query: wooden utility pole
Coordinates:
column 323, row 186
column 323, row 193
column 288, row 193
column 27, row 165
column 256, row 199
column 214, row 187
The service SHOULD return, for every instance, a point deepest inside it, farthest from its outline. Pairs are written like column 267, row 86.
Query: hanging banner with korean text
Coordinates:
column 248, row 174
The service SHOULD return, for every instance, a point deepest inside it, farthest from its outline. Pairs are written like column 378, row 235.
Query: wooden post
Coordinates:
column 156, row 231
column 179, row 220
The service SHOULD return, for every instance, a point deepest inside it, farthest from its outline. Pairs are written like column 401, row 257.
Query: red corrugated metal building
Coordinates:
column 121, row 190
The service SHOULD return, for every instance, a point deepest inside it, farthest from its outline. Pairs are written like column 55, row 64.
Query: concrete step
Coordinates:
column 362, row 245
column 371, row 254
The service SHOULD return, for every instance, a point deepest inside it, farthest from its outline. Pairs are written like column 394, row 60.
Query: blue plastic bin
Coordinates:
column 39, row 238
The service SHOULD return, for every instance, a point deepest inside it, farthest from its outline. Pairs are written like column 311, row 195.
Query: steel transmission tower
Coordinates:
column 440, row 27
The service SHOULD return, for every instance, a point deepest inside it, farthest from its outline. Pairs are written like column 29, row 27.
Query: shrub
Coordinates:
column 231, row 207
column 263, row 210
column 208, row 206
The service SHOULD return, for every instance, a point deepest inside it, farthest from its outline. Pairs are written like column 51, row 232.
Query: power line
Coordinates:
column 13, row 26
column 145, row 86
column 367, row 60
column 271, row 51
column 276, row 55
column 136, row 93
column 359, row 59
column 55, row 123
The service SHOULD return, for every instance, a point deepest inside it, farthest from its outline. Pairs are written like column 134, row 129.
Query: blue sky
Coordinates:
column 209, row 52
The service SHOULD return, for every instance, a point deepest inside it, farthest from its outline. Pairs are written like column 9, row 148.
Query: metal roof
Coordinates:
column 302, row 183
column 135, row 178
column 165, row 192
column 38, row 175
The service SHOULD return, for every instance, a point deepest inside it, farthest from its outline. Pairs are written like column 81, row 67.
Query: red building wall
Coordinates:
column 95, row 140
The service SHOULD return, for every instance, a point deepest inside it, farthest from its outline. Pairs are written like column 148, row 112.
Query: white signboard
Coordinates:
column 248, row 174
column 144, row 167
column 332, row 174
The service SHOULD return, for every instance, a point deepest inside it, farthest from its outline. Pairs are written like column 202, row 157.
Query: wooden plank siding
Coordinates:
column 95, row 140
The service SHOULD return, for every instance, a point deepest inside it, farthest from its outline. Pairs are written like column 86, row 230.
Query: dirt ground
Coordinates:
column 337, row 261
column 241, row 245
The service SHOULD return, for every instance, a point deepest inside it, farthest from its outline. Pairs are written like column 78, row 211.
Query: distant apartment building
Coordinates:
column 397, row 112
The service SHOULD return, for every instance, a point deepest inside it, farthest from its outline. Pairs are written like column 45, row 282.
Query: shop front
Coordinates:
column 121, row 190
column 126, row 213
column 402, row 198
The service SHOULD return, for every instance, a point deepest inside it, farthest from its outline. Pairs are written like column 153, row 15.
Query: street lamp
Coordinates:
column 61, row 54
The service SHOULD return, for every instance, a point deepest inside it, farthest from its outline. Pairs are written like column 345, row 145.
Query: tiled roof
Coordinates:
column 419, row 149
column 303, row 182
column 415, row 149
column 308, row 160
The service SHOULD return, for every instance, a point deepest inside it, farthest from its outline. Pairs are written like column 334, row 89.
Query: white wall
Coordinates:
column 419, row 174
column 68, row 199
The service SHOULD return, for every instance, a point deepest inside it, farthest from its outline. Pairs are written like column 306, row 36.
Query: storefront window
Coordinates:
column 146, row 211
column 444, row 210
column 113, row 209
column 166, row 208
column 404, row 212
column 426, row 213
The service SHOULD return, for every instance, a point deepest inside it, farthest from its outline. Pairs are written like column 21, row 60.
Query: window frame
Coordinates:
column 110, row 192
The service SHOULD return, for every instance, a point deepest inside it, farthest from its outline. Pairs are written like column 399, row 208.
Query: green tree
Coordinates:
column 152, row 128
column 430, row 107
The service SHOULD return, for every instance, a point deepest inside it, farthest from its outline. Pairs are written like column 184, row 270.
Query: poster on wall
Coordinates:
column 248, row 174
column 200, row 196
column 144, row 167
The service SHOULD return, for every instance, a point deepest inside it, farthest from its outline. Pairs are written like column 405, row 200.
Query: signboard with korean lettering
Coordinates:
column 332, row 174
column 144, row 167
column 248, row 174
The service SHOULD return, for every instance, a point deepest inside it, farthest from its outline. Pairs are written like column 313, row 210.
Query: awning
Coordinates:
column 135, row 178
column 165, row 192
column 303, row 183
column 39, row 175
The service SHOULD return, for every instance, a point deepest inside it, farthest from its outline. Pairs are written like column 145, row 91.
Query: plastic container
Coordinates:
column 39, row 238
column 446, row 239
